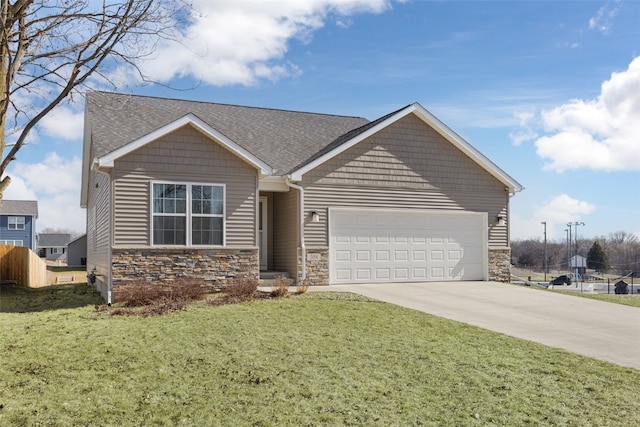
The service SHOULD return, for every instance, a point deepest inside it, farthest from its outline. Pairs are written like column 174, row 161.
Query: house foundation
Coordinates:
column 214, row 266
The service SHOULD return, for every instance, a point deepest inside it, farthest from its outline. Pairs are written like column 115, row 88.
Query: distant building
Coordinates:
column 18, row 223
column 53, row 246
column 579, row 262
column 77, row 252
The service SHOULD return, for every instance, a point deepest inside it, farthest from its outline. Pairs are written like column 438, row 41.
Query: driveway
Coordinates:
column 597, row 329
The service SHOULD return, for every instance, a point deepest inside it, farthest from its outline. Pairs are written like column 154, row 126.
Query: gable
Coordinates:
column 185, row 153
column 107, row 160
column 405, row 154
column 427, row 120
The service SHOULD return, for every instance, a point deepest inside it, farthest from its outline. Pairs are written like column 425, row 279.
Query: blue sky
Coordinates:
column 548, row 90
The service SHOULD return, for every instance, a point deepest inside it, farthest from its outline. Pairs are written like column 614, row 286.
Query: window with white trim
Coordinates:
column 12, row 242
column 187, row 214
column 57, row 251
column 16, row 223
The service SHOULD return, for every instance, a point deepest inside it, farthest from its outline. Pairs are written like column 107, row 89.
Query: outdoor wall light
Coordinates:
column 501, row 220
column 315, row 216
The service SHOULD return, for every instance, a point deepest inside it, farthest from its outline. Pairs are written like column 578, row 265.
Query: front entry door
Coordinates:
column 262, row 232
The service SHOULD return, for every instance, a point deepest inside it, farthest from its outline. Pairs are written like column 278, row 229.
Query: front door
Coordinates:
column 262, row 232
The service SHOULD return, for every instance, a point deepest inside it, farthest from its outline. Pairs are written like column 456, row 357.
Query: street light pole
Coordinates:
column 544, row 264
column 569, row 249
column 576, row 224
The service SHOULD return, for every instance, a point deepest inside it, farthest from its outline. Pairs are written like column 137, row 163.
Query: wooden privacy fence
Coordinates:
column 22, row 266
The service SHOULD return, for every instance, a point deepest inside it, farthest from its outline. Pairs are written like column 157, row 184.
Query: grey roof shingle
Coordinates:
column 19, row 207
column 282, row 139
column 53, row 240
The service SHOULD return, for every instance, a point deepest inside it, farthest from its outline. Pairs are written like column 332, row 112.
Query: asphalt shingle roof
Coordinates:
column 282, row 139
column 53, row 240
column 19, row 207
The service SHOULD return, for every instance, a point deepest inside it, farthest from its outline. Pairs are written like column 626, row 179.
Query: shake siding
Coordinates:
column 285, row 236
column 183, row 156
column 406, row 165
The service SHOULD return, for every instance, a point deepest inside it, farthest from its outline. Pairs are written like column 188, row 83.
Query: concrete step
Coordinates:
column 270, row 275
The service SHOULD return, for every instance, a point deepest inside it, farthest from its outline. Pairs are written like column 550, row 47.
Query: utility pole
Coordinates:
column 576, row 224
column 569, row 249
column 544, row 264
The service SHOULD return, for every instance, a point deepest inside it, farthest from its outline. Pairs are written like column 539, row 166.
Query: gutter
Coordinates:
column 303, row 262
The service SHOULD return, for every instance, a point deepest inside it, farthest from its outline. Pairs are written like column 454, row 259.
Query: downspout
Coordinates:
column 303, row 263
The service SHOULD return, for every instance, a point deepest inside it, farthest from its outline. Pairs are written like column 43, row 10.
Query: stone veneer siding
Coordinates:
column 317, row 269
column 500, row 264
column 215, row 266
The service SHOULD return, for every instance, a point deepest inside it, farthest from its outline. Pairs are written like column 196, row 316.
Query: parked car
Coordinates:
column 561, row 280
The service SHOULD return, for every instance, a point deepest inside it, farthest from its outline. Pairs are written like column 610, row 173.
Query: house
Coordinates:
column 77, row 252
column 53, row 246
column 182, row 188
column 18, row 223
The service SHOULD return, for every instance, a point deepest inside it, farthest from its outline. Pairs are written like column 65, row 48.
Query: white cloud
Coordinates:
column 556, row 212
column 602, row 21
column 63, row 123
column 599, row 134
column 243, row 41
column 525, row 133
column 55, row 184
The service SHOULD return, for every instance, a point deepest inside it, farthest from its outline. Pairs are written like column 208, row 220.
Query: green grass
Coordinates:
column 631, row 300
column 313, row 360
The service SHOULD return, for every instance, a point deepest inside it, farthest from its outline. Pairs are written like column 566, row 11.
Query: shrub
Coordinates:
column 158, row 297
column 242, row 289
column 281, row 287
column 302, row 287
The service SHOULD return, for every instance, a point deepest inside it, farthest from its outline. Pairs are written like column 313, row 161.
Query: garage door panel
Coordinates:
column 376, row 245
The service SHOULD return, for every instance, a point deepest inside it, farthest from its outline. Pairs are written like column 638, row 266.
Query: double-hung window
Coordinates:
column 16, row 223
column 188, row 214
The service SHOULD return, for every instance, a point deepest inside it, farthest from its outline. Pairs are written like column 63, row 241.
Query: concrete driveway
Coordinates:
column 597, row 329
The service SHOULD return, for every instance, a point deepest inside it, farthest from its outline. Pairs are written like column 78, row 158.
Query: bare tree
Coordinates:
column 51, row 49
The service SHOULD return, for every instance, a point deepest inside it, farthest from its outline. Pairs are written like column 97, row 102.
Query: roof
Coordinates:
column 19, row 207
column 280, row 138
column 53, row 240
column 277, row 142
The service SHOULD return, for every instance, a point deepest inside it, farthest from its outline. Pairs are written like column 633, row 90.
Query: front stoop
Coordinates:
column 271, row 275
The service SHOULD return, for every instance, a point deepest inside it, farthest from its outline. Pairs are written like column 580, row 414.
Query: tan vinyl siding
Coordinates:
column 406, row 165
column 183, row 156
column 285, row 236
column 407, row 154
column 98, row 227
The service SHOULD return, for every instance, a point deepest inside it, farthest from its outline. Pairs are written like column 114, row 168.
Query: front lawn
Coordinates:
column 315, row 360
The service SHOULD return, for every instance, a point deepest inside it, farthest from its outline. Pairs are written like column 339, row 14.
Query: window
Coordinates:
column 16, row 223
column 12, row 242
column 187, row 214
column 57, row 251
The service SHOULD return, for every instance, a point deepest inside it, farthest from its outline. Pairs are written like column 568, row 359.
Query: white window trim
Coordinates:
column 12, row 242
column 57, row 250
column 16, row 223
column 188, row 214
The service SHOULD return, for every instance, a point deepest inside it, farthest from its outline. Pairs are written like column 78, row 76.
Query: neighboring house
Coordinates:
column 180, row 188
column 18, row 223
column 77, row 252
column 53, row 246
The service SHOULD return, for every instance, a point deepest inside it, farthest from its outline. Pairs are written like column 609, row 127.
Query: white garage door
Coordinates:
column 375, row 245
